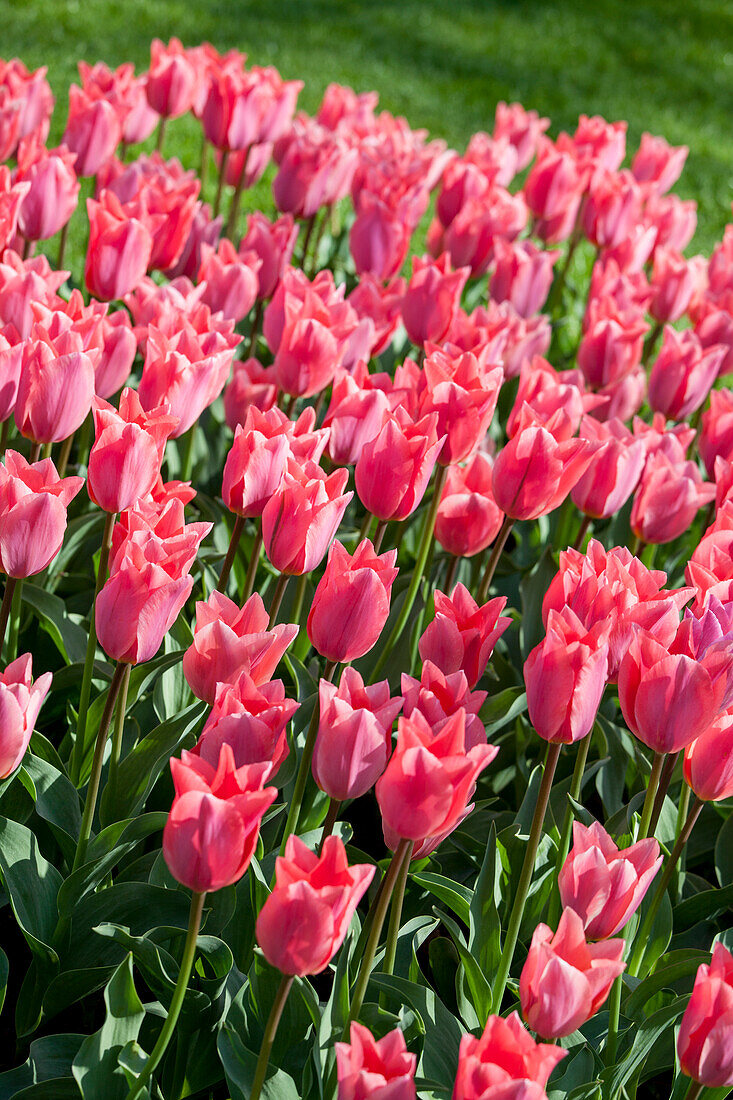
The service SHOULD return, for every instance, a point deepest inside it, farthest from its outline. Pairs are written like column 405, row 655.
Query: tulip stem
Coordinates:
column 379, row 535
column 254, row 561
column 255, row 328
column 77, row 755
column 650, row 343
column 187, row 460
column 299, row 598
column 65, row 454
column 576, row 784
column 160, row 135
column 614, row 1014
column 582, row 532
column 5, row 435
column 269, row 1037
column 642, row 936
column 179, row 993
column 664, row 780
column 417, row 573
column 204, row 162
column 296, row 800
column 380, row 912
column 114, row 760
column 453, row 562
column 525, row 877
column 496, row 550
column 90, row 801
column 365, row 528
column 306, row 239
column 651, row 791
column 277, row 596
column 62, row 245
column 395, row 913
column 334, row 806
column 5, row 607
column 15, row 614
column 234, row 208
column 35, row 452
column 220, row 183
column 695, row 1090
column 231, row 554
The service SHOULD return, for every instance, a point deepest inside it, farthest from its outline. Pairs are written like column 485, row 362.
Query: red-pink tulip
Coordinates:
column 302, row 517
column 604, row 884
column 118, row 354
column 229, row 640
column 437, row 697
column 355, row 414
column 657, row 165
column 504, row 1063
column 705, row 1040
column 522, row 275
column 305, row 919
column 230, row 278
column 393, row 469
column 553, row 190
column 92, row 131
column 462, row 635
column 56, row 386
column 251, row 386
column 469, row 518
column 214, row 823
column 614, row 472
column 431, row 299
column 716, row 429
column 119, row 249
column 462, row 391
column 172, row 80
column 252, row 720
column 673, row 282
column 371, row 1069
column 273, row 242
column 565, row 980
column 668, row 498
column 354, row 735
column 708, row 761
column 53, row 191
column 255, row 466
column 20, row 701
column 683, row 374
column 613, row 206
column 33, row 503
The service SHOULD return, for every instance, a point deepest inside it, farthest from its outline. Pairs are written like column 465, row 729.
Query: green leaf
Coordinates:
column 475, row 978
column 675, row 967
column 484, row 938
column 456, row 897
column 33, row 885
column 707, row 905
column 499, row 710
column 646, row 1035
column 239, row 1065
column 724, row 853
column 4, row 971
column 96, row 1066
column 57, row 801
column 69, row 638
column 50, row 1060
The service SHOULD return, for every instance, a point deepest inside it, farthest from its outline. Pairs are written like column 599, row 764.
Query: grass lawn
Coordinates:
column 664, row 65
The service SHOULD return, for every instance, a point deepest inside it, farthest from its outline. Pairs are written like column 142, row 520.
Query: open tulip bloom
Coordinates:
column 366, row 723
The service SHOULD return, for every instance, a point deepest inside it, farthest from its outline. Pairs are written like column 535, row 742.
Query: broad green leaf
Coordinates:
column 96, row 1065
column 456, row 897
column 724, row 853
column 499, row 710
column 239, row 1065
column 57, row 800
column 675, row 967
column 442, row 1030
column 706, row 905
column 646, row 1035
column 50, row 1060
column 32, row 884
column 4, row 971
column 484, row 938
column 68, row 636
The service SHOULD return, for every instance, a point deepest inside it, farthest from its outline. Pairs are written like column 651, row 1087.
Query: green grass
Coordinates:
column 664, row 65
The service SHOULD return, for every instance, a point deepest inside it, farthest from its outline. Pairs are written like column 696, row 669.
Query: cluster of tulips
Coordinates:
column 384, row 467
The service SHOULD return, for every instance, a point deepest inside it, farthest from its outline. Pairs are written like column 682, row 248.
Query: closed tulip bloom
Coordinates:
column 20, row 701
column 254, row 468
column 522, row 275
column 92, row 131
column 431, row 299
column 565, row 676
column 351, row 602
column 251, row 386
column 614, row 472
column 553, row 190
column 308, row 353
column 716, row 429
column 354, row 735
column 658, row 165
column 705, row 1040
column 172, row 81
column 273, row 243
column 301, row 519
column 119, row 249
column 125, row 459
column 683, row 374
column 371, row 1069
column 252, row 720
column 148, row 585
column 612, row 344
column 11, row 361
column 393, row 469
column 673, row 282
column 214, row 823
column 668, row 498
column 438, row 696
column 33, row 503
column 612, row 208
column 355, row 415
column 305, row 919
column 56, row 386
column 430, row 778
column 504, row 1062
column 379, row 238
column 565, row 980
column 708, row 761
column 547, row 392
column 230, row 278
column 462, row 635
column 667, row 699
column 469, row 519
column 462, row 392
column 534, row 473
column 53, row 192
column 710, row 569
column 118, row 354
column 229, row 640
column 603, row 884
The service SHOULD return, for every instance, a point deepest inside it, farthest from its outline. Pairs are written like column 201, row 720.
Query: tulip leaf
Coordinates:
column 484, row 938
column 724, row 853
column 706, row 905
column 4, row 971
column 48, row 1063
column 646, row 1035
column 239, row 1065
column 676, row 967
column 96, row 1067
column 455, row 896
column 475, row 977
column 32, row 884
column 57, row 800
column 68, row 636
column 499, row 710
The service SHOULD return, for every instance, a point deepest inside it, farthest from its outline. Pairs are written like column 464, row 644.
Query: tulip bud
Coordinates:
column 463, row 635
column 20, row 701
column 33, row 503
column 251, row 720
column 704, row 1041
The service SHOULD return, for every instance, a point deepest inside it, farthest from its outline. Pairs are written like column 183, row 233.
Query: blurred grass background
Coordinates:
column 664, row 65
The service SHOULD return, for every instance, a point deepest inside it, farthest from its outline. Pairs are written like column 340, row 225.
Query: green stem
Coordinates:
column 234, row 208
column 90, row 801
column 665, row 779
column 395, row 913
column 614, row 1015
column 695, row 1090
column 160, row 135
column 496, row 550
column 576, row 784
column 277, row 597
column 582, row 532
column 269, row 1037
column 187, row 460
column 379, row 535
column 114, row 760
column 77, row 755
column 642, row 936
column 331, row 818
column 62, row 245
column 453, row 562
column 650, row 343
column 254, row 561
column 35, row 452
column 372, row 943
column 299, row 598
column 231, row 554
column 365, row 528
column 296, row 800
column 220, row 183
column 65, row 454
column 417, row 573
column 559, row 283
column 204, row 163
column 525, row 877
column 179, row 993
column 15, row 616
column 5, row 435
column 255, row 328
column 306, row 240
column 5, row 607
column 651, row 792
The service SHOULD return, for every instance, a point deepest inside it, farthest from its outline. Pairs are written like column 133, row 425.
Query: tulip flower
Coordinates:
column 431, row 299
column 393, row 469
column 355, row 415
column 438, row 696
column 231, row 279
column 251, row 386
column 716, row 429
column 255, row 466
column 673, row 283
column 118, row 354
column 704, row 1041
column 522, row 275
column 683, row 374
column 53, row 193
column 612, row 208
column 429, row 778
column 370, row 1069
column 301, row 518
column 92, row 131
column 504, row 1061
column 351, row 602
column 273, row 243
column 565, row 980
column 354, row 735
column 251, row 720
column 462, row 392
column 710, row 568
column 214, row 823
column 614, row 472
column 656, row 165
column 668, row 498
column 33, row 503
column 469, row 518
column 553, row 190
column 463, row 635
column 125, row 459
column 612, row 344
column 56, row 386
column 708, row 761
column 565, row 676
column 305, row 919
column 603, row 884
column 229, row 640
column 21, row 699
column 119, row 249
column 171, row 81
column 533, row 473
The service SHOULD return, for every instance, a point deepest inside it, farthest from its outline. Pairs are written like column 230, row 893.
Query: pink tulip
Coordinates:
column 504, row 1062
column 469, row 518
column 171, row 83
column 683, row 374
column 33, row 503
column 301, row 518
column 668, row 498
column 53, row 192
column 614, row 472
column 437, row 697
column 92, row 132
column 462, row 391
column 252, row 720
column 431, row 299
column 522, row 275
column 119, row 249
column 462, row 635
column 20, row 701
column 231, row 279
column 704, row 1043
column 255, row 466
column 251, row 386
column 370, row 1069
column 393, row 469
column 657, row 165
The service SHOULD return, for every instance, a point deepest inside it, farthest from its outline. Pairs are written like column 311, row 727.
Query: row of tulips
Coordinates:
column 390, row 473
